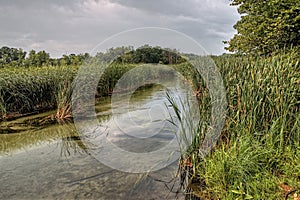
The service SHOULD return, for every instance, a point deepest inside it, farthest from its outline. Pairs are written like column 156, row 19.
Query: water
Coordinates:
column 52, row 162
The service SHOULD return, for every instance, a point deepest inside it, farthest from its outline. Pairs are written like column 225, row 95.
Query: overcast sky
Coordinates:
column 77, row 26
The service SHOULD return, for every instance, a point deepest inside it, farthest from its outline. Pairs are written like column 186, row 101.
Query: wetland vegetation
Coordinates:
column 257, row 155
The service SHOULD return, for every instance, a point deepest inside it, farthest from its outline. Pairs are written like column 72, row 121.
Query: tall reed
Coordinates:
column 26, row 90
column 259, row 147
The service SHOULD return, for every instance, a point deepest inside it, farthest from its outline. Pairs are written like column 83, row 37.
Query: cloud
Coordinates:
column 61, row 26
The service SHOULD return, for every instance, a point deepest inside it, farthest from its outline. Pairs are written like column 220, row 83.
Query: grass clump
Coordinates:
column 64, row 101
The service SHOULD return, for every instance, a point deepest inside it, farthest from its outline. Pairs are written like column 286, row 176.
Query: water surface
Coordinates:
column 52, row 162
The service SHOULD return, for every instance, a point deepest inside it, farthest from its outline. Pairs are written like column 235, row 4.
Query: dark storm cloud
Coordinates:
column 63, row 26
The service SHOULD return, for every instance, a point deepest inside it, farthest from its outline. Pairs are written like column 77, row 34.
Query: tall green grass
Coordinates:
column 141, row 74
column 110, row 77
column 259, row 147
column 36, row 89
column 26, row 90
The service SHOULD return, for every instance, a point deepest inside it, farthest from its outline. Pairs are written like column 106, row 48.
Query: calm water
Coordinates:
column 51, row 161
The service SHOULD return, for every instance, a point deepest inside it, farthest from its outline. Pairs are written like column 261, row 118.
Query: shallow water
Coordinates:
column 52, row 161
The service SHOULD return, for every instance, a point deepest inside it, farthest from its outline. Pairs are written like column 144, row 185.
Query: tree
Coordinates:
column 74, row 60
column 43, row 58
column 37, row 59
column 65, row 60
column 149, row 54
column 265, row 26
column 11, row 56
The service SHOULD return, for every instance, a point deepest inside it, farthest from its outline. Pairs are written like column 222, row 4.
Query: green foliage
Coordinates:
column 263, row 118
column 112, row 53
column 148, row 54
column 259, row 146
column 240, row 171
column 266, row 26
column 11, row 56
column 37, row 59
column 262, row 91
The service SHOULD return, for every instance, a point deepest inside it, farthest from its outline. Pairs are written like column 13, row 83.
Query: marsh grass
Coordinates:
column 142, row 73
column 38, row 89
column 31, row 90
column 259, row 148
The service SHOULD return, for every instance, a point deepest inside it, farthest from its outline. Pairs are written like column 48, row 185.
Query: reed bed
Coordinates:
column 258, row 153
column 30, row 90
column 38, row 89
column 140, row 74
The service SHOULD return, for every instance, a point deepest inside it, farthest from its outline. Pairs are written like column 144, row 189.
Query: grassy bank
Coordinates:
column 258, row 154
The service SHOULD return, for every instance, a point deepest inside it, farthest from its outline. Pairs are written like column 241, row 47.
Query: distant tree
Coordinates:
column 54, row 62
column 74, row 59
column 37, row 59
column 113, row 53
column 144, row 54
column 11, row 56
column 149, row 54
column 65, row 60
column 266, row 25
column 42, row 58
column 31, row 60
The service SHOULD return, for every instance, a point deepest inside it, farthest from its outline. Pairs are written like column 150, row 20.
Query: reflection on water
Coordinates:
column 52, row 161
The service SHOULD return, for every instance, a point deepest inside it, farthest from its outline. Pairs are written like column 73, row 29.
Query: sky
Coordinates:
column 78, row 26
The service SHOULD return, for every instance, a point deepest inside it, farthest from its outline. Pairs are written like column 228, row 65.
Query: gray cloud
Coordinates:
column 63, row 26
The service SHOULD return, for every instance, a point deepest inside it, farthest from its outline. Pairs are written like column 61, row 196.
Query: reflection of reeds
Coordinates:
column 73, row 143
column 71, row 139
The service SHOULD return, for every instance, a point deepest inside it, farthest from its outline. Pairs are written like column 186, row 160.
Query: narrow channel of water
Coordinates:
column 52, row 162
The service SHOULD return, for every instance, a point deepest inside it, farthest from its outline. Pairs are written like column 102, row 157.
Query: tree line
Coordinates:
column 13, row 57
